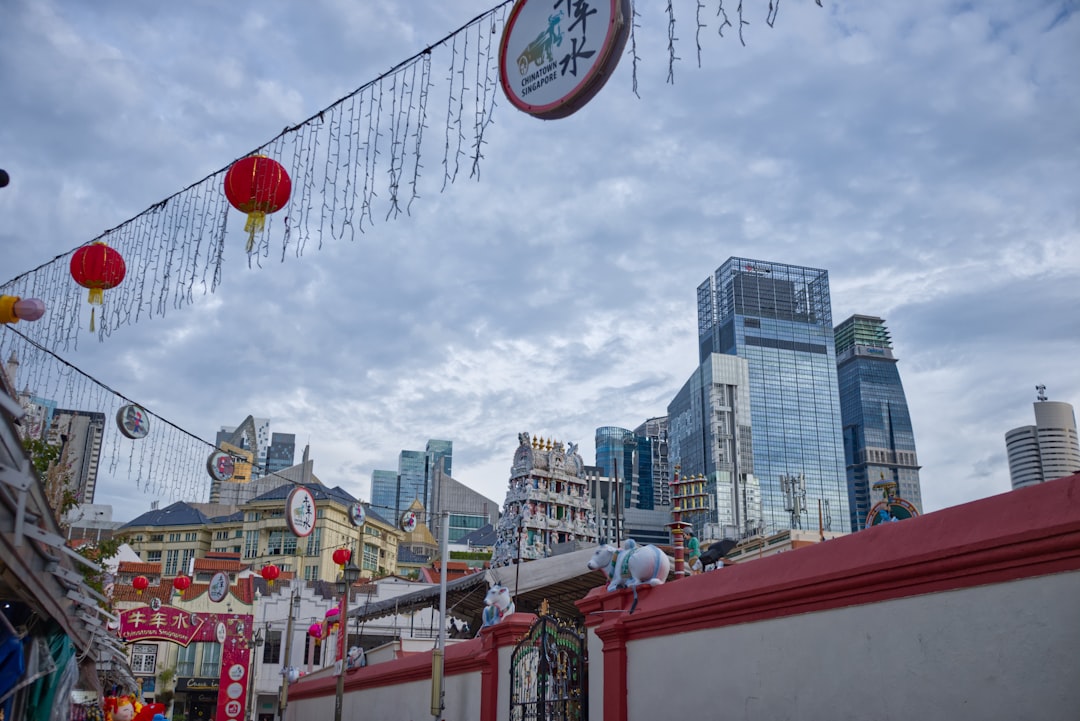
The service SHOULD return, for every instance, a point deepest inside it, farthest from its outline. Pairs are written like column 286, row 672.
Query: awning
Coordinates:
column 36, row 565
column 560, row 580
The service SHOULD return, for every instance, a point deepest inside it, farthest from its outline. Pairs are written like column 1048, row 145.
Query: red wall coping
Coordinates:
column 1023, row 533
column 466, row 657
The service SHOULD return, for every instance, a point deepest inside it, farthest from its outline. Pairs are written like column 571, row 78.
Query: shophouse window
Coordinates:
column 272, row 647
column 211, row 660
column 185, row 660
column 144, row 659
column 172, row 559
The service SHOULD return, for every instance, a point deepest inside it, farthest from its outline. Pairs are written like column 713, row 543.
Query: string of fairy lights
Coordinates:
column 353, row 164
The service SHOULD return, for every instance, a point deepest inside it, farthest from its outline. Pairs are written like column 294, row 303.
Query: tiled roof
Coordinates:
column 320, row 492
column 124, row 592
column 176, row 514
column 454, row 570
column 407, row 555
column 217, row 564
column 484, row 536
column 133, row 567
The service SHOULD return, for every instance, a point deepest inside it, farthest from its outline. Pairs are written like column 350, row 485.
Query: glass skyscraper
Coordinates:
column 879, row 444
column 393, row 493
column 779, row 318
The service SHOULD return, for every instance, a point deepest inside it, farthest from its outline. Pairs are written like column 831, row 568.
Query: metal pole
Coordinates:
column 343, row 631
column 438, row 657
column 288, row 653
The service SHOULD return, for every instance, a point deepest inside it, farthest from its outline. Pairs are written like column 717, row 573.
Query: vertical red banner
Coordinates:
column 234, row 634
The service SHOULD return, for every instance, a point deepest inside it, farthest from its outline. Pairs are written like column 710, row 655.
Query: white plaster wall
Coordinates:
column 1007, row 652
column 595, row 648
column 405, row 702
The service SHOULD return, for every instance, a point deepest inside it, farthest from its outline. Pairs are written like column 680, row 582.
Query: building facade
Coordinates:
column 393, row 493
column 79, row 434
column 710, row 436
column 1047, row 450
column 879, row 443
column 779, row 318
column 467, row 510
column 653, row 448
column 177, row 534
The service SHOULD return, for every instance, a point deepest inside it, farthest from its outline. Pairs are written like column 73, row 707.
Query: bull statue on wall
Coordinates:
column 497, row 604
column 631, row 565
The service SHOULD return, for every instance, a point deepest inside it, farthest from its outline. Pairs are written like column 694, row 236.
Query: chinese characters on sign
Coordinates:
column 555, row 55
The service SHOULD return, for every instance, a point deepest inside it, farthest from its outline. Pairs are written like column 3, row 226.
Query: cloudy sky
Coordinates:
column 925, row 153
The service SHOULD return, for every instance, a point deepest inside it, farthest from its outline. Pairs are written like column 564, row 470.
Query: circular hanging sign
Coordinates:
column 409, row 521
column 220, row 633
column 356, row 514
column 133, row 422
column 219, row 587
column 555, row 56
column 300, row 511
column 220, row 465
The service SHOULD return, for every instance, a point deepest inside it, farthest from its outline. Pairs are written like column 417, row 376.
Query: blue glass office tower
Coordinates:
column 779, row 318
column 879, row 443
column 384, row 493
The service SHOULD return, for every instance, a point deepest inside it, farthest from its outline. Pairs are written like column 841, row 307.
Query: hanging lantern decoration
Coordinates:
column 140, row 584
column 257, row 185
column 315, row 630
column 181, row 583
column 270, row 572
column 341, row 556
column 332, row 618
column 99, row 268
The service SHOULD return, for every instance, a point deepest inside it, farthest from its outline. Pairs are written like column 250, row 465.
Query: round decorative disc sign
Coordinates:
column 555, row 55
column 132, row 422
column 220, row 465
column 356, row 514
column 409, row 521
column 300, row 511
column 219, row 587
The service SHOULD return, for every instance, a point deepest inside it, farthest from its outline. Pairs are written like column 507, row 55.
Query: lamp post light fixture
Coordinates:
column 350, row 574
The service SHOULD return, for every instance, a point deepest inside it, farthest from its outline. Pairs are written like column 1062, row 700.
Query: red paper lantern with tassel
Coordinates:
column 341, row 556
column 257, row 185
column 181, row 583
column 99, row 268
column 270, row 572
column 315, row 630
column 140, row 584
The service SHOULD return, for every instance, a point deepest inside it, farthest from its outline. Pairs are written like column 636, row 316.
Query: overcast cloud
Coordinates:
column 926, row 153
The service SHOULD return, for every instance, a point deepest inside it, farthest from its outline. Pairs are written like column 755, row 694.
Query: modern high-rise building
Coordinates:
column 654, row 460
column 1047, row 450
column 259, row 444
column 879, row 443
column 615, row 458
column 393, row 493
column 467, row 510
column 78, row 434
column 709, row 435
column 779, row 318
column 384, row 493
column 281, row 452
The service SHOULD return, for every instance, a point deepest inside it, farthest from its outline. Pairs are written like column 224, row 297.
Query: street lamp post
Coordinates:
column 349, row 575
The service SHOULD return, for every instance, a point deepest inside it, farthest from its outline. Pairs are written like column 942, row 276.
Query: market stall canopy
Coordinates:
column 37, row 567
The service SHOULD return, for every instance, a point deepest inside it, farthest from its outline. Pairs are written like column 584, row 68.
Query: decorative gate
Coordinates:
column 549, row 673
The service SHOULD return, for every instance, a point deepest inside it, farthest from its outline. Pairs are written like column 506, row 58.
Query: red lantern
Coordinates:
column 140, row 584
column 270, row 572
column 315, row 630
column 99, row 268
column 257, row 185
column 181, row 583
column 332, row 617
column 342, row 556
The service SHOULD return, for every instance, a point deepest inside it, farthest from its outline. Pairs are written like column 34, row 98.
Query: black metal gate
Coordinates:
column 549, row 673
